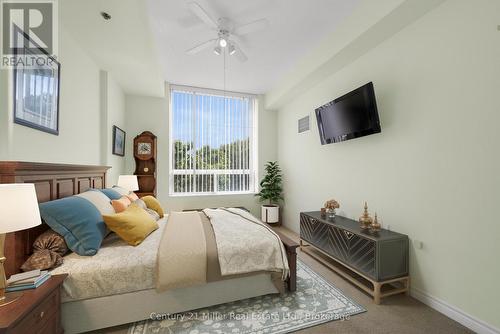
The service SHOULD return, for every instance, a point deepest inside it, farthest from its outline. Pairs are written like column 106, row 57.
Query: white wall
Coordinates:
column 85, row 106
column 151, row 114
column 433, row 171
column 112, row 113
column 4, row 115
column 79, row 138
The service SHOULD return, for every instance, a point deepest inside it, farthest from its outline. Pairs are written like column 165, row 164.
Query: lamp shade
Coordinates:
column 18, row 207
column 128, row 182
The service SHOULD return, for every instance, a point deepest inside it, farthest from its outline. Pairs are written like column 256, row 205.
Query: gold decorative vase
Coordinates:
column 375, row 226
column 365, row 220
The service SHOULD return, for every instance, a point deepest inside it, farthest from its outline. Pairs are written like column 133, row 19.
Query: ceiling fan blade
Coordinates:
column 239, row 54
column 200, row 47
column 202, row 14
column 251, row 27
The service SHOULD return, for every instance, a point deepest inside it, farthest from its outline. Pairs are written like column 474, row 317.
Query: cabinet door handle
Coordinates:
column 348, row 234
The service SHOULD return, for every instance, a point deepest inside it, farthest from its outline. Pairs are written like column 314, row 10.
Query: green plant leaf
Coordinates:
column 271, row 184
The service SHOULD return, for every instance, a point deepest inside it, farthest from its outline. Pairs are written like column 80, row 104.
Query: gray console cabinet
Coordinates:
column 379, row 257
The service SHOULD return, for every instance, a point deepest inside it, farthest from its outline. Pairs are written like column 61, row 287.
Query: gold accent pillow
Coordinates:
column 152, row 203
column 132, row 225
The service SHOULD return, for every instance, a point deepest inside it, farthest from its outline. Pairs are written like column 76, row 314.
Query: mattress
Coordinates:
column 116, row 269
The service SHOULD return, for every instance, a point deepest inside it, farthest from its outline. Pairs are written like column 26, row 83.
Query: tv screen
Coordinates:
column 350, row 116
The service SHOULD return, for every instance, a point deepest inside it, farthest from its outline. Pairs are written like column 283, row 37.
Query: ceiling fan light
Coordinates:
column 232, row 49
column 222, row 43
column 217, row 50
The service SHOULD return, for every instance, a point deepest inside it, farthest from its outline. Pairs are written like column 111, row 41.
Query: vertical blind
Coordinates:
column 212, row 136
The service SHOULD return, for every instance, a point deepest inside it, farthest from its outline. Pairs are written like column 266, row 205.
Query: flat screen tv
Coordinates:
column 350, row 116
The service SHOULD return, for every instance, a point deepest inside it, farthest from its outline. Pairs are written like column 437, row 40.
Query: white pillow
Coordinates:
column 100, row 201
column 121, row 191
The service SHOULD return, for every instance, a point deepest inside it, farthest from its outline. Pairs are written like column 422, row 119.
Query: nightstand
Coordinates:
column 291, row 254
column 36, row 311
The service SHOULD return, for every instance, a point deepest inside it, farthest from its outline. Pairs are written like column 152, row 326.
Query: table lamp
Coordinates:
column 18, row 211
column 128, row 182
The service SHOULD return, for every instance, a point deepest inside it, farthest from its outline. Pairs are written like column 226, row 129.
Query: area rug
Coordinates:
column 316, row 301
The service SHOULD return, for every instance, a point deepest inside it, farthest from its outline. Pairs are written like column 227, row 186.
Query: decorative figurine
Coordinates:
column 365, row 220
column 330, row 207
column 375, row 227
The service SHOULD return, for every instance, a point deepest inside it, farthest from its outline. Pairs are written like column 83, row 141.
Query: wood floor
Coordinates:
column 397, row 314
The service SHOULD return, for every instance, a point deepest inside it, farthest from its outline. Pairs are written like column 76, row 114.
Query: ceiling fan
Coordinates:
column 227, row 34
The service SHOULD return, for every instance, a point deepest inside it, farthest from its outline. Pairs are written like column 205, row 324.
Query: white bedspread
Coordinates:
column 117, row 268
column 245, row 244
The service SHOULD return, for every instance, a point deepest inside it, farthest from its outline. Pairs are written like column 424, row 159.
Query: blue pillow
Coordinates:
column 112, row 194
column 78, row 221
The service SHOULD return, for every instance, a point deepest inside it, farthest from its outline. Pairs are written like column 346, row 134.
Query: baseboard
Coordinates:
column 454, row 313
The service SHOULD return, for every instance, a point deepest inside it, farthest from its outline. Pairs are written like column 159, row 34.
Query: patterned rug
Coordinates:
column 316, row 301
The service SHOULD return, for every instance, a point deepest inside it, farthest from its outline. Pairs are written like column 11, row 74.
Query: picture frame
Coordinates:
column 118, row 141
column 36, row 93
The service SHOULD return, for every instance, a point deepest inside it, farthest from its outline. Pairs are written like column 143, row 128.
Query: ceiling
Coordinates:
column 123, row 45
column 296, row 28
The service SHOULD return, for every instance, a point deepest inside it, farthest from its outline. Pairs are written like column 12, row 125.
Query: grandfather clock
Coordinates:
column 145, row 163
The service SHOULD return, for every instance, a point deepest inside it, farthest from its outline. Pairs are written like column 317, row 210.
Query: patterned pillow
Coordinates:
column 48, row 250
column 140, row 203
column 154, row 204
column 153, row 214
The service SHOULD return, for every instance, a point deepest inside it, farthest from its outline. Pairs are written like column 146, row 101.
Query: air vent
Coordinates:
column 304, row 124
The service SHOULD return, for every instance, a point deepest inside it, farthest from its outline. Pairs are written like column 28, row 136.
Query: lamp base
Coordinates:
column 10, row 298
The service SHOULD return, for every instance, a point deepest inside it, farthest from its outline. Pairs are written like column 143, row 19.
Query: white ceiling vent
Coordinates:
column 304, row 124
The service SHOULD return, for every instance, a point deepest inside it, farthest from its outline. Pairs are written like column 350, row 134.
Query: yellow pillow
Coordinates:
column 153, row 204
column 132, row 225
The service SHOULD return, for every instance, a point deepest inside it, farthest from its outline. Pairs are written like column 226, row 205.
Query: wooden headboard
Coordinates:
column 52, row 181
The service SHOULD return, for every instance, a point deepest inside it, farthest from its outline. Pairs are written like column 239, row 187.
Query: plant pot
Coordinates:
column 270, row 213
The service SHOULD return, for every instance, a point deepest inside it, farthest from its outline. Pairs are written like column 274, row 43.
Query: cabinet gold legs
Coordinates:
column 376, row 292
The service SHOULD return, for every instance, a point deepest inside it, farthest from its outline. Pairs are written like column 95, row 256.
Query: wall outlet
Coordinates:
column 418, row 244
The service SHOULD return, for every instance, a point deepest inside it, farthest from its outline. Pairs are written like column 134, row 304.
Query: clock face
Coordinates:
column 144, row 148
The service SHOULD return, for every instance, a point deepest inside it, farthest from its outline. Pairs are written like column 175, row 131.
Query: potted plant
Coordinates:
column 270, row 190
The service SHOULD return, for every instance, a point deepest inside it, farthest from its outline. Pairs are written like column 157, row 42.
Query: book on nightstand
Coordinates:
column 28, row 280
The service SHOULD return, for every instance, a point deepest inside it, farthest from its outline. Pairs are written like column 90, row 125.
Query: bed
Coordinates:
column 118, row 291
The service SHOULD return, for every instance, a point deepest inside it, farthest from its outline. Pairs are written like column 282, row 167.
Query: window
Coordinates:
column 213, row 142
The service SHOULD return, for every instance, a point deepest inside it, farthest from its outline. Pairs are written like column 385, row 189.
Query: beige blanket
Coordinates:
column 182, row 253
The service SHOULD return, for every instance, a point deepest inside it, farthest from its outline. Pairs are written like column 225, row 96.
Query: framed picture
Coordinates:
column 118, row 141
column 36, row 94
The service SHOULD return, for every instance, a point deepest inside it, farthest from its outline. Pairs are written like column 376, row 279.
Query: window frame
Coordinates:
column 254, row 144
